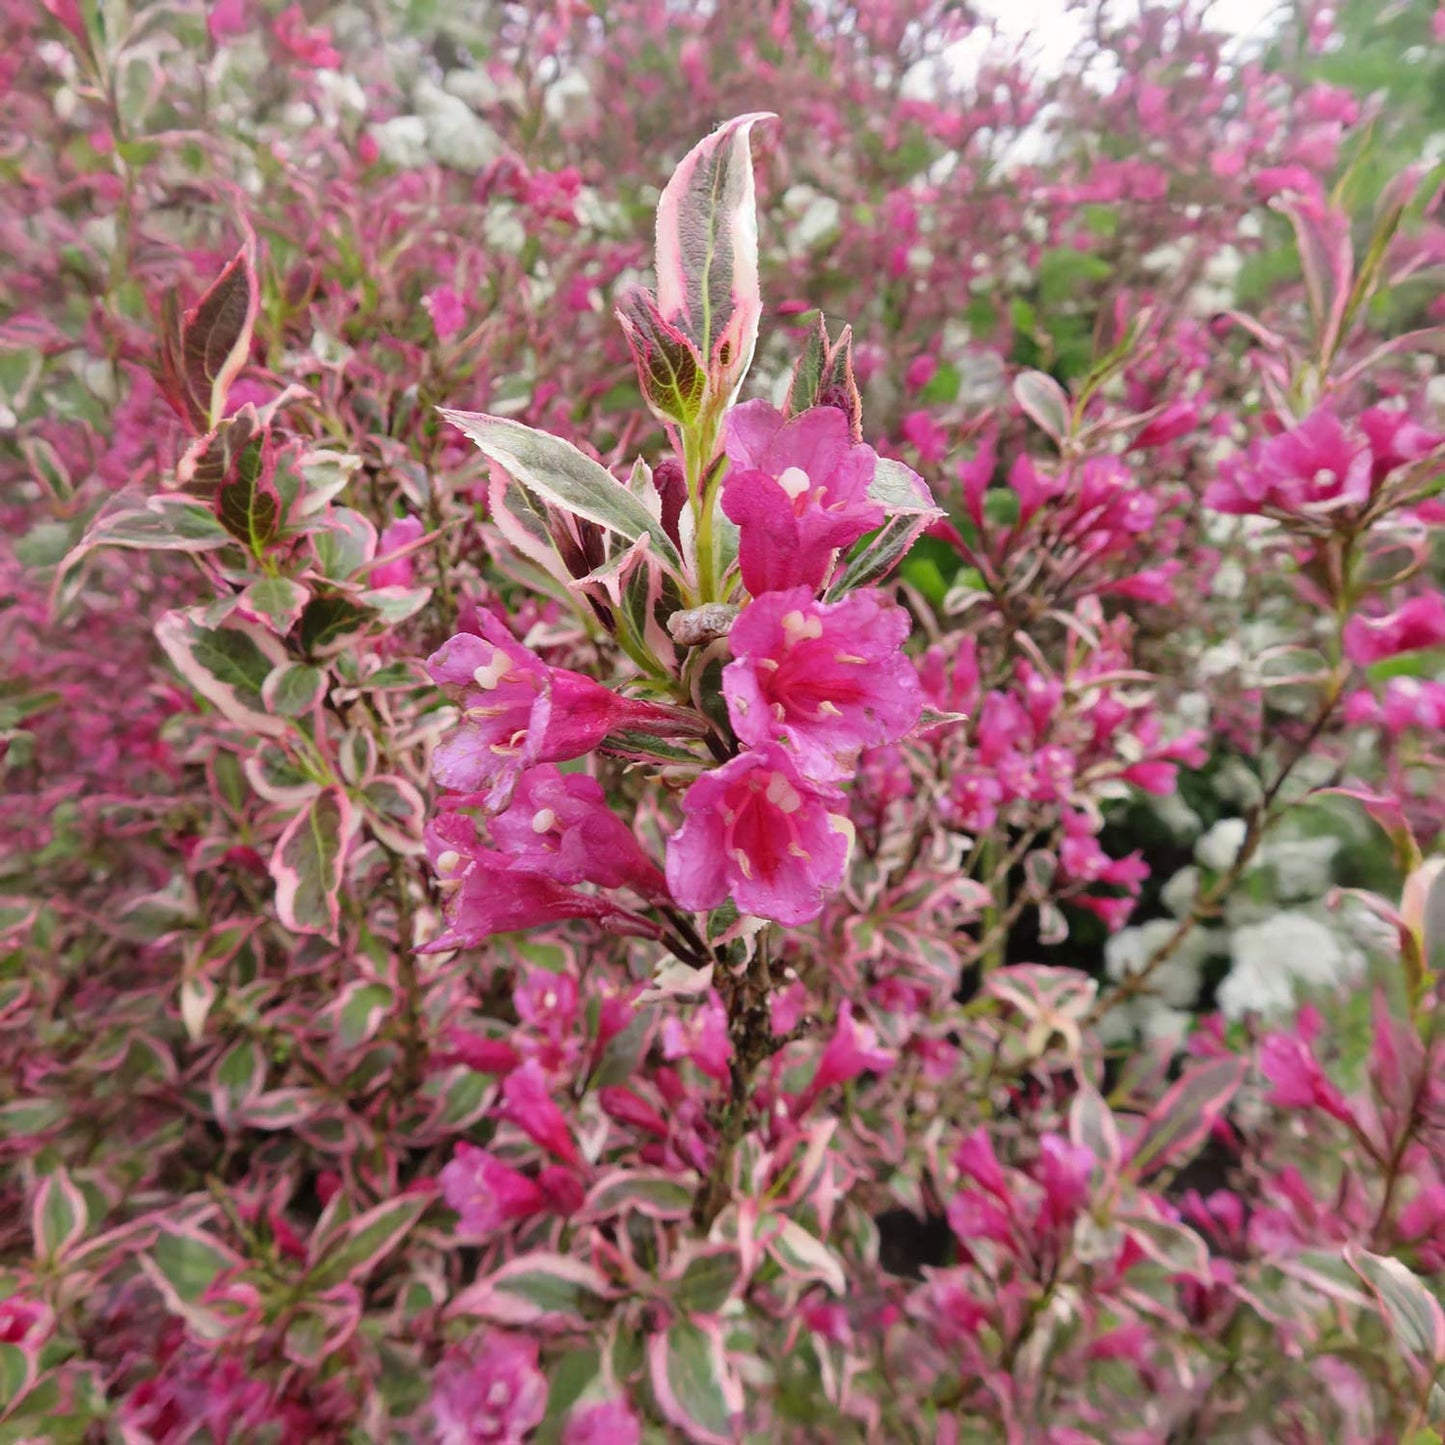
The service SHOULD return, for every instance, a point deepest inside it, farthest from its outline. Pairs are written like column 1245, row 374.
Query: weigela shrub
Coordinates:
column 601, row 858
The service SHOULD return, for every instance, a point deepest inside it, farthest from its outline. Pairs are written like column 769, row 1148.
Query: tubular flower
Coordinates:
column 759, row 831
column 519, row 712
column 825, row 679
column 798, row 490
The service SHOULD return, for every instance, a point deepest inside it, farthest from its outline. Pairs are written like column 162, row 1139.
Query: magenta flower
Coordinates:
column 519, row 712
column 399, row 572
column 486, row 1193
column 447, row 311
column 609, row 1422
column 826, row 679
column 488, row 1392
column 486, row 894
column 703, row 1038
column 1316, row 467
column 760, row 832
column 1064, row 1170
column 558, row 824
column 547, row 1002
column 1417, row 624
column 1299, row 1083
column 853, row 1050
column 527, row 1102
column 798, row 491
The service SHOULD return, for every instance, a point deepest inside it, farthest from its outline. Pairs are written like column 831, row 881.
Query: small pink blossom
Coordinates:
column 527, row 1102
column 825, row 679
column 488, row 1392
column 798, row 490
column 1299, row 1082
column 853, row 1050
column 760, row 832
column 1316, row 467
column 401, row 571
column 703, row 1038
column 1064, row 1170
column 1413, row 626
column 226, row 18
column 484, row 893
column 547, row 1002
column 447, row 310
column 558, row 824
column 486, row 1193
column 304, row 43
column 609, row 1422
column 519, row 712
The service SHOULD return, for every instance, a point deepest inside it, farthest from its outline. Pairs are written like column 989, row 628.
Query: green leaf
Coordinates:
column 247, row 501
column 276, row 602
column 1412, row 1311
column 368, row 1239
column 707, row 1280
column 307, row 864
column 655, row 1194
column 190, row 1261
column 539, row 1290
column 558, row 473
column 694, row 1386
column 160, row 524
column 293, row 689
column 225, row 665
column 59, row 1215
column 329, row 620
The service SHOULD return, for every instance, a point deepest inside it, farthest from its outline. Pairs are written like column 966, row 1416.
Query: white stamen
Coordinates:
column 798, row 626
column 447, row 862
column 544, row 820
column 489, row 676
column 794, row 481
column 783, row 795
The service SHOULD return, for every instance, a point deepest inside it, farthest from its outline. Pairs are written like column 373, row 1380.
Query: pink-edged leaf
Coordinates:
column 707, row 252
column 1171, row 1245
column 560, row 475
column 238, row 1077
column 1179, row 1123
column 910, row 507
column 247, row 501
column 801, row 1254
column 1044, row 401
column 204, row 351
column 651, row 1192
column 293, row 689
column 1092, row 1124
column 538, row 1290
column 395, row 812
column 59, row 1216
column 703, row 1277
column 280, row 1108
column 670, row 368
column 366, row 1241
column 307, row 864
column 276, row 603
column 359, row 1012
column 228, row 666
column 1411, row 1310
column 155, row 524
column 188, row 1261
column 696, row 1388
column 1328, row 260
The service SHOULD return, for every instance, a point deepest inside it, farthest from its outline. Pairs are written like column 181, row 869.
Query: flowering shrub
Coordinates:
column 594, row 862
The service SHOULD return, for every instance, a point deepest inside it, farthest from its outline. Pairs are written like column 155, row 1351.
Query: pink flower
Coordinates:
column 1417, row 624
column 527, row 1102
column 977, row 1162
column 851, row 1051
column 798, row 490
column 397, row 537
column 559, row 825
column 826, row 679
column 447, row 311
column 703, row 1038
column 760, row 832
column 302, row 43
column 486, row 1193
column 609, row 1422
column 486, row 894
column 547, row 1002
column 1299, row 1082
column 1316, row 467
column 488, row 1392
column 1064, row 1170
column 519, row 711
column 227, row 18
